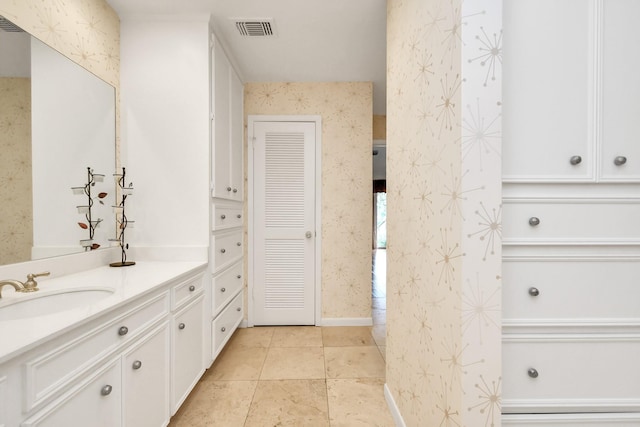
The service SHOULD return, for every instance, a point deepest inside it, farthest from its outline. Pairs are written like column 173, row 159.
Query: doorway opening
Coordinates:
column 379, row 252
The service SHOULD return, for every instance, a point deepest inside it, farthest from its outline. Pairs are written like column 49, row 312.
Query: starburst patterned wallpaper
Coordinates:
column 16, row 209
column 346, row 111
column 443, row 179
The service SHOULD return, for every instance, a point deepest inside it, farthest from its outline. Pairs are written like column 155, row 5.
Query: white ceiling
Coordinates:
column 317, row 40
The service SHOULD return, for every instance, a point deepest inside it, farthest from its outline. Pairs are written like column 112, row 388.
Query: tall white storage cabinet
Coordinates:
column 227, row 182
column 571, row 213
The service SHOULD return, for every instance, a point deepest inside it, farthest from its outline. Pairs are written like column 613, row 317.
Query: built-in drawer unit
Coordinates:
column 184, row 292
column 226, row 216
column 227, row 322
column 584, row 372
column 225, row 286
column 48, row 371
column 587, row 221
column 226, row 249
column 571, row 288
column 572, row 420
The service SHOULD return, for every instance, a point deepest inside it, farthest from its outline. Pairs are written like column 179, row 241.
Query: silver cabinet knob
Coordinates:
column 228, row 188
column 533, row 373
column 575, row 160
column 238, row 244
column 223, row 216
column 192, row 288
column 123, row 331
column 223, row 250
column 223, row 290
column 223, row 329
column 137, row 364
column 534, row 220
column 235, row 190
column 534, row 292
column 239, row 216
column 181, row 326
column 239, row 309
column 308, row 234
column 620, row 160
column 106, row 390
column 239, row 276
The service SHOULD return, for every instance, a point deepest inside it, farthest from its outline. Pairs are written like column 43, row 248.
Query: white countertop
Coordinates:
column 128, row 283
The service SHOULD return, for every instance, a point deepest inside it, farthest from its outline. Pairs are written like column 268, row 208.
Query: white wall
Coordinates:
column 73, row 117
column 165, row 129
column 14, row 51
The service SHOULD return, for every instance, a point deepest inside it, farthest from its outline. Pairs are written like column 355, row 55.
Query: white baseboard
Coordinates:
column 243, row 324
column 346, row 321
column 393, row 408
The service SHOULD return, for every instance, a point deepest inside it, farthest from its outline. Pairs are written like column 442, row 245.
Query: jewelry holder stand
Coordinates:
column 90, row 224
column 121, row 218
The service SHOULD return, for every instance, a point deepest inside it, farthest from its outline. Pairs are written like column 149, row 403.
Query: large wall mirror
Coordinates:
column 56, row 121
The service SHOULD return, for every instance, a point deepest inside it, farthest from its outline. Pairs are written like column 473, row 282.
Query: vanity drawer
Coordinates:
column 575, row 373
column 226, row 285
column 575, row 221
column 226, row 217
column 588, row 288
column 226, row 323
column 227, row 248
column 47, row 373
column 184, row 292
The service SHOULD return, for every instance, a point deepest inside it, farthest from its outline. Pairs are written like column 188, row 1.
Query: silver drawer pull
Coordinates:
column 228, row 188
column 620, row 160
column 239, row 216
column 239, row 309
column 534, row 292
column 223, row 329
column 223, row 290
column 137, row 364
column 181, row 326
column 533, row 373
column 239, row 276
column 223, row 216
column 192, row 288
column 575, row 160
column 534, row 220
column 223, row 250
column 238, row 244
column 123, row 331
column 235, row 190
column 106, row 390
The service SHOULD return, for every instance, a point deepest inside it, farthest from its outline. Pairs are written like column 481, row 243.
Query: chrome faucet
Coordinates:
column 29, row 286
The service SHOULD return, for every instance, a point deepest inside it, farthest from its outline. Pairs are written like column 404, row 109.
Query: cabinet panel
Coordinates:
column 226, row 323
column 186, row 291
column 96, row 403
column 187, row 363
column 578, row 373
column 237, row 136
column 596, row 289
column 226, row 285
column 548, row 82
column 226, row 249
column 620, row 91
column 221, row 154
column 226, row 216
column 146, row 381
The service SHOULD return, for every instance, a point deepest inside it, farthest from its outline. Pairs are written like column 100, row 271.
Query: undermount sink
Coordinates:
column 41, row 304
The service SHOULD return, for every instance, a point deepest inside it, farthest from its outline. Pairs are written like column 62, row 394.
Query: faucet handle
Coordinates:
column 31, row 285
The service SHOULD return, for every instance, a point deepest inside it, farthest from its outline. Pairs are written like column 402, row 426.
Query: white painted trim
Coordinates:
column 346, row 321
column 251, row 120
column 243, row 324
column 571, row 326
column 393, row 408
column 569, row 405
column 569, row 419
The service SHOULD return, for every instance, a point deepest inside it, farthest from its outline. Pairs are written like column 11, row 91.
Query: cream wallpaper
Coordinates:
column 443, row 183
column 16, row 209
column 346, row 111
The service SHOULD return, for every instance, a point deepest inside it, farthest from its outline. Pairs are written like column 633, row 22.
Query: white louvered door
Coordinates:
column 284, row 223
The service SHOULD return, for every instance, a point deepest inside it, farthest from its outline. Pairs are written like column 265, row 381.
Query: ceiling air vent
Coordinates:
column 256, row 27
column 8, row 26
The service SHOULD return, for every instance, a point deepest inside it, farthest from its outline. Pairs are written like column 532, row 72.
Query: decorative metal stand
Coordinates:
column 91, row 224
column 121, row 219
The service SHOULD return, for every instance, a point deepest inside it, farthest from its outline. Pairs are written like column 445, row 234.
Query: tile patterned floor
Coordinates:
column 298, row 376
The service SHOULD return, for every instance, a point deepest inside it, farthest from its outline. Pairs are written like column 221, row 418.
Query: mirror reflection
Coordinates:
column 56, row 120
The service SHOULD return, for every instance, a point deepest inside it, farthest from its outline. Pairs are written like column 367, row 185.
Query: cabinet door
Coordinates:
column 146, row 381
column 96, row 403
column 548, row 79
column 620, row 92
column 221, row 156
column 187, row 363
column 237, row 136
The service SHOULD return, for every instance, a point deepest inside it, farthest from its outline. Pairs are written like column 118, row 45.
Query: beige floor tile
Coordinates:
column 379, row 333
column 299, row 363
column 224, row 403
column 358, row 403
column 297, row 336
column 289, row 403
column 251, row 338
column 379, row 316
column 341, row 336
column 383, row 351
column 237, row 364
column 354, row 362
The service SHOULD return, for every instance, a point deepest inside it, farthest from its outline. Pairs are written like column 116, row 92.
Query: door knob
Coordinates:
column 308, row 234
